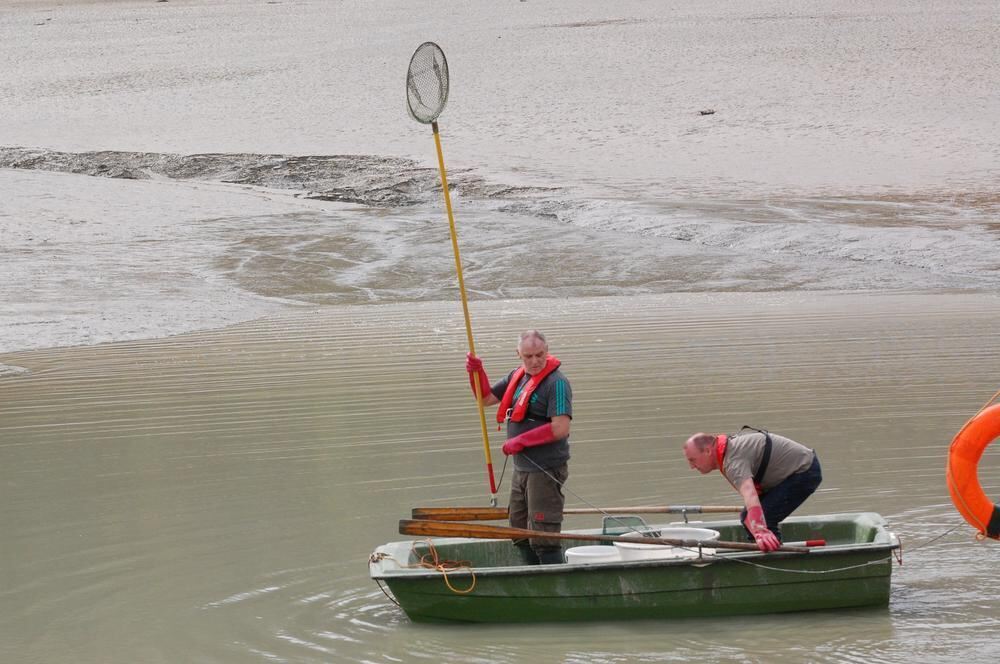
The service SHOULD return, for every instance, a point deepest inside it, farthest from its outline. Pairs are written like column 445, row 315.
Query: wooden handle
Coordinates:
column 426, row 528
column 656, row 509
column 499, row 513
column 460, row 513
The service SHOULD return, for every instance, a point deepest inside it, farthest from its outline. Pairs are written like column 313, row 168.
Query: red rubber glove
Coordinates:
column 757, row 525
column 474, row 366
column 532, row 438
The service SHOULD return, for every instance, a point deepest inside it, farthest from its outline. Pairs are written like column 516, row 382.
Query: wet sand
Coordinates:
column 228, row 486
column 852, row 148
column 823, row 96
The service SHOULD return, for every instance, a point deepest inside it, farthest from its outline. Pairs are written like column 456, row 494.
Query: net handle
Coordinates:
column 465, row 312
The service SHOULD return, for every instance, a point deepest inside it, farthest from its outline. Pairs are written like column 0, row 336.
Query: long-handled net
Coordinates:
column 427, row 83
column 426, row 96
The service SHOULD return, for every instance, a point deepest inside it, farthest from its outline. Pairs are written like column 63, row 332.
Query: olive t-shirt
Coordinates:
column 745, row 451
column 551, row 398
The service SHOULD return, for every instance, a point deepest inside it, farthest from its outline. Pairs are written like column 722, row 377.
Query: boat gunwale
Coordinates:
column 562, row 568
column 379, row 571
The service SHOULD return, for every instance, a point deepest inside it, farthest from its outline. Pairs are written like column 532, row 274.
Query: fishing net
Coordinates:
column 427, row 83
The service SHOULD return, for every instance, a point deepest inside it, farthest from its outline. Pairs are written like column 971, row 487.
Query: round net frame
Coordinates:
column 427, row 83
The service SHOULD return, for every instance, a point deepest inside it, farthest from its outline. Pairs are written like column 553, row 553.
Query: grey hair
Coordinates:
column 702, row 441
column 532, row 334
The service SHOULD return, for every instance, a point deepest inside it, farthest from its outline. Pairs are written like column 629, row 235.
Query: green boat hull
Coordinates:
column 853, row 569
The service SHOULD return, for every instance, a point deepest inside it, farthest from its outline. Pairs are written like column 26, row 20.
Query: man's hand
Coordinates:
column 531, row 438
column 474, row 366
column 767, row 541
column 757, row 525
column 512, row 446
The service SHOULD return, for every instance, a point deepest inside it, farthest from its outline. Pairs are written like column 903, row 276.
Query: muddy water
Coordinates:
column 214, row 496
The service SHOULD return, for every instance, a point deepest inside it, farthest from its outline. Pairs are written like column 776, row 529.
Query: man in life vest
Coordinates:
column 773, row 474
column 537, row 404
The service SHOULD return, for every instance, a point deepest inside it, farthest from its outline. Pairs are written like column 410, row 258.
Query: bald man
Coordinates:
column 773, row 474
column 536, row 403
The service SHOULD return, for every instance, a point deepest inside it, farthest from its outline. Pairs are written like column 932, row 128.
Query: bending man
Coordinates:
column 773, row 474
column 536, row 403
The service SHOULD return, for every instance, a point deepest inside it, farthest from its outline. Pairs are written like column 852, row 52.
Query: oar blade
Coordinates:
column 460, row 513
column 430, row 528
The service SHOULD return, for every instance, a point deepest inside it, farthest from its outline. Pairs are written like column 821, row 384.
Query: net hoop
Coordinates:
column 427, row 83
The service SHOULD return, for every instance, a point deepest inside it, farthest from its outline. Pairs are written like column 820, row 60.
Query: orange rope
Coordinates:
column 432, row 561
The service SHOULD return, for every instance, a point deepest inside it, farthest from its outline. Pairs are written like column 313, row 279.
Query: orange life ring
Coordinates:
column 963, row 480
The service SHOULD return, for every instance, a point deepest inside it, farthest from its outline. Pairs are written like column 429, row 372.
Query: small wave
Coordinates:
column 243, row 596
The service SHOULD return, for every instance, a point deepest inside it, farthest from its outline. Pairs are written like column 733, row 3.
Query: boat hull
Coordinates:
column 846, row 573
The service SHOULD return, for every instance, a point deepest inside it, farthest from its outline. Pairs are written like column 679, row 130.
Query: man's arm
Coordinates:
column 549, row 432
column 474, row 366
column 560, row 427
column 756, row 522
column 749, row 493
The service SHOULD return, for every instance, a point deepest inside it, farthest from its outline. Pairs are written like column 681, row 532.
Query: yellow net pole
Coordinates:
column 465, row 311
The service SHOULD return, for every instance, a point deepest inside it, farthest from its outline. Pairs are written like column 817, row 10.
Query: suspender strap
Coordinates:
column 758, row 477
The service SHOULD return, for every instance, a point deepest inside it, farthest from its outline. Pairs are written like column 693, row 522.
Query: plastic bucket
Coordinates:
column 637, row 551
column 586, row 555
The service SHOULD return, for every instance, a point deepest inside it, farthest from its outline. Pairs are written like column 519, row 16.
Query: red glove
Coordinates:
column 474, row 366
column 531, row 438
column 757, row 525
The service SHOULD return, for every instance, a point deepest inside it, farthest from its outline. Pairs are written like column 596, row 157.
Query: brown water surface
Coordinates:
column 214, row 497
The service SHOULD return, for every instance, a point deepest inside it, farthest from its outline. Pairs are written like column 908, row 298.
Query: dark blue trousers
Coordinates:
column 783, row 499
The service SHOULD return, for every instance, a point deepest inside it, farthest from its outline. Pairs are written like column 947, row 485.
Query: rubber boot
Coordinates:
column 528, row 555
column 550, row 556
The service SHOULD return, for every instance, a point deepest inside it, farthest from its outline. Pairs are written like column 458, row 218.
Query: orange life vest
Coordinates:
column 520, row 408
column 722, row 441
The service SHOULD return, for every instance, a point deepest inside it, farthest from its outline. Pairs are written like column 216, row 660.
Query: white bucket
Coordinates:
column 585, row 555
column 637, row 551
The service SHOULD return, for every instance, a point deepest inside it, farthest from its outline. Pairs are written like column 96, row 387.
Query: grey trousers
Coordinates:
column 536, row 503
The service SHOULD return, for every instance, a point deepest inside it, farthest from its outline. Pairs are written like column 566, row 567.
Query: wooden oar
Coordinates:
column 424, row 528
column 498, row 513
column 459, row 513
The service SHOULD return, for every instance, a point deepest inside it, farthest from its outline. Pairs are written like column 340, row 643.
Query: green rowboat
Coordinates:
column 480, row 580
